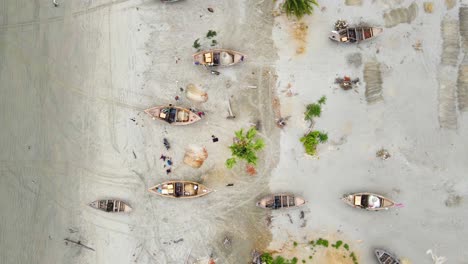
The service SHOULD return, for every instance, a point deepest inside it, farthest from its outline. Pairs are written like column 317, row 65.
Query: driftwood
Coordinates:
column 231, row 114
column 78, row 243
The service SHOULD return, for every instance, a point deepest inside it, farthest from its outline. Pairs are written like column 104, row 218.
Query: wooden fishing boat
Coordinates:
column 173, row 115
column 368, row 201
column 218, row 57
column 180, row 189
column 279, row 201
column 385, row 257
column 355, row 34
column 111, row 206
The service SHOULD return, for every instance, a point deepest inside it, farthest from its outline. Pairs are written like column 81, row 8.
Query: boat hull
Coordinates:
column 385, row 257
column 218, row 58
column 173, row 115
column 355, row 34
column 280, row 201
column 180, row 189
column 356, row 200
column 111, row 206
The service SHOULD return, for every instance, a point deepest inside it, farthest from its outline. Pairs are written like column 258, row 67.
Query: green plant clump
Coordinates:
column 267, row 258
column 211, row 33
column 299, row 8
column 337, row 244
column 196, row 44
column 346, row 246
column 245, row 147
column 312, row 139
column 295, row 244
column 322, row 242
column 315, row 109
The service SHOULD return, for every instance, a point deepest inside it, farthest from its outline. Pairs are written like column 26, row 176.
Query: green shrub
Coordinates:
column 299, row 8
column 312, row 139
column 245, row 147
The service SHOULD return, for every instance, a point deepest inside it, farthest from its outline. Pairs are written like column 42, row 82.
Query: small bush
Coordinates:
column 311, row 141
column 299, row 8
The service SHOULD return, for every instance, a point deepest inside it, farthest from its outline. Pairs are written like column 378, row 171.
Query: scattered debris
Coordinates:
column 250, row 170
column 134, row 155
column 453, row 200
column 346, row 82
column 383, row 154
column 166, row 143
column 196, row 94
column 340, row 24
column 301, row 215
column 210, row 9
column 230, row 184
column 227, row 242
column 214, row 139
column 77, row 243
column 256, row 257
column 282, row 121
column 436, row 259
column 231, row 114
column 56, row 4
column 195, row 156
column 215, row 72
column 178, row 240
column 300, row 31
column 428, row 7
column 290, row 218
column 418, row 45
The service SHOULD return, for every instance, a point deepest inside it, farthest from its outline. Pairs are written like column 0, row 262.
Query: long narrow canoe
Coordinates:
column 384, row 257
column 173, row 115
column 218, row 57
column 368, row 201
column 180, row 189
column 355, row 34
column 111, row 206
column 279, row 201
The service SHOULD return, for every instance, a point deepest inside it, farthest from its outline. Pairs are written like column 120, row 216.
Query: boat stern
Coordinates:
column 335, row 35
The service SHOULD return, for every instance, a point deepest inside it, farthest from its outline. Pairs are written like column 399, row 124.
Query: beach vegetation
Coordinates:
column 299, row 8
column 312, row 139
column 196, row 44
column 211, row 33
column 267, row 258
column 214, row 42
column 245, row 147
column 315, row 109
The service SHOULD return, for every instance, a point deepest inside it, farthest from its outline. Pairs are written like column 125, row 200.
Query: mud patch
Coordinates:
column 373, row 80
column 353, row 2
column 401, row 15
column 451, row 42
column 300, row 31
column 447, row 100
column 450, row 4
column 462, row 87
column 453, row 200
column 354, row 59
column 462, row 84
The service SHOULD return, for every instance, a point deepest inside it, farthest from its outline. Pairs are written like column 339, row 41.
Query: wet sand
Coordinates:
column 76, row 78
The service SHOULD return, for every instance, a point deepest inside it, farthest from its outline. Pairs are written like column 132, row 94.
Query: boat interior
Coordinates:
column 178, row 189
column 356, row 34
column 280, row 201
column 218, row 58
column 387, row 259
column 363, row 201
column 172, row 114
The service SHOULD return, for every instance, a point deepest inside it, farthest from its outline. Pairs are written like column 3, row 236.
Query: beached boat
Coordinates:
column 355, row 34
column 180, row 189
column 278, row 201
column 218, row 57
column 111, row 206
column 368, row 201
column 173, row 115
column 385, row 257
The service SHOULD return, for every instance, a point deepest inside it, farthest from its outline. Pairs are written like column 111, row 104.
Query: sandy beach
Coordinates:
column 76, row 78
